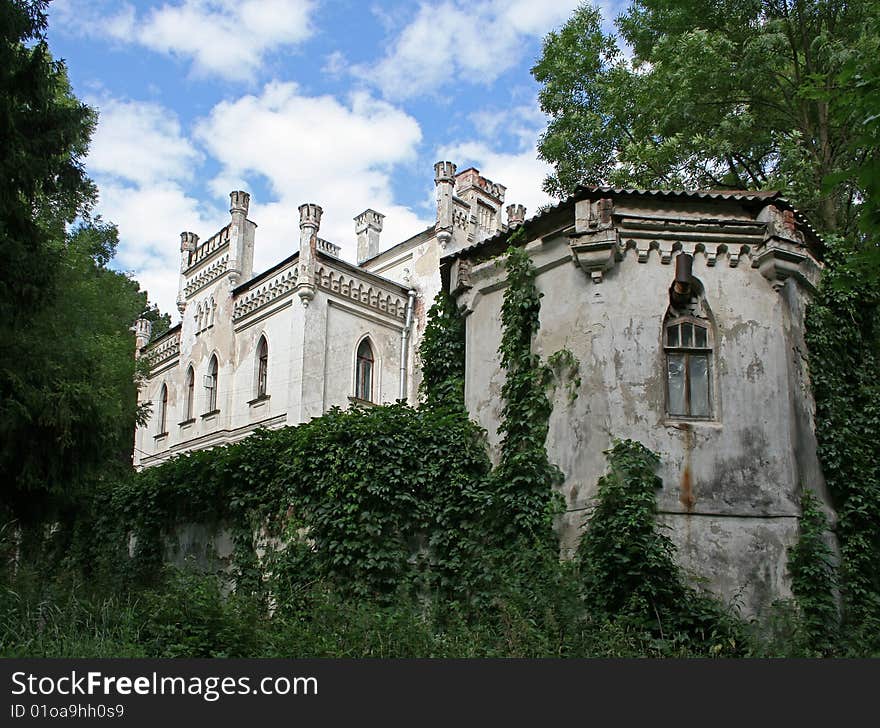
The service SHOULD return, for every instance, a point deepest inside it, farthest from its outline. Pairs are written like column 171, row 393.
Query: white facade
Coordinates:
column 614, row 270
column 306, row 318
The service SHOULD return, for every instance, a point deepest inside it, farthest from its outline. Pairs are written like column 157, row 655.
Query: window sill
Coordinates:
column 210, row 415
column 686, row 423
column 160, row 436
column 187, row 423
column 259, row 401
column 361, row 402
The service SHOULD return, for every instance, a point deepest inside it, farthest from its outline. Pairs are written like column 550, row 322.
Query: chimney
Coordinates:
column 241, row 244
column 309, row 223
column 683, row 284
column 188, row 244
column 516, row 215
column 368, row 226
column 444, row 180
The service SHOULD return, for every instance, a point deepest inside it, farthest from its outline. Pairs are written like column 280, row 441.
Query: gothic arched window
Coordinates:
column 211, row 385
column 688, row 345
column 262, row 366
column 190, row 391
column 364, row 372
column 162, row 413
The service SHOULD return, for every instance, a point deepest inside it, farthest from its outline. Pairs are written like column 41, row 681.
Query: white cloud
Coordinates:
column 226, row 38
column 312, row 149
column 139, row 157
column 475, row 41
column 150, row 220
column 140, row 142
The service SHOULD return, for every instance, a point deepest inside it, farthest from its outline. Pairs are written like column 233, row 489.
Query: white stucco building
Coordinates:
column 685, row 311
column 314, row 331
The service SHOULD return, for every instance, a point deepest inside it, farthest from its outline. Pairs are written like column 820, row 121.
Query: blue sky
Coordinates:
column 344, row 103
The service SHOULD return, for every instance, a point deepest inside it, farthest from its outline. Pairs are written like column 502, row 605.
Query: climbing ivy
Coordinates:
column 628, row 564
column 342, row 498
column 813, row 577
column 442, row 355
column 524, row 478
column 843, row 337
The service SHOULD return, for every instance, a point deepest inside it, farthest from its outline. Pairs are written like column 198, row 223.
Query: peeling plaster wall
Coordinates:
column 731, row 485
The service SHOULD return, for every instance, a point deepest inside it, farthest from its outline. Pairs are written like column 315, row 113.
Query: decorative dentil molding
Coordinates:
column 362, row 292
column 207, row 276
column 265, row 293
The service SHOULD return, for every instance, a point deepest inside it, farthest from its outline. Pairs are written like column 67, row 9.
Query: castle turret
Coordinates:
column 485, row 199
column 368, row 226
column 143, row 330
column 309, row 224
column 241, row 239
column 188, row 243
column 444, row 181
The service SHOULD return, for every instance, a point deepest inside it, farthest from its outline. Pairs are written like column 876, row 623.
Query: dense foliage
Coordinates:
column 525, row 480
column 843, row 335
column 441, row 354
column 732, row 95
column 45, row 132
column 813, row 577
column 67, row 392
column 628, row 564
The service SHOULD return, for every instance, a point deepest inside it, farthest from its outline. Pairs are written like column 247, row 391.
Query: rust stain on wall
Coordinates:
column 687, row 497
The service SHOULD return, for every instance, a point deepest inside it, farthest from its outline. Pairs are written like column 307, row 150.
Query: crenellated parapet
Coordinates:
column 208, row 249
column 163, row 351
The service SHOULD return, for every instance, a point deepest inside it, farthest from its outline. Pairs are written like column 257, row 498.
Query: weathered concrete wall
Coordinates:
column 731, row 483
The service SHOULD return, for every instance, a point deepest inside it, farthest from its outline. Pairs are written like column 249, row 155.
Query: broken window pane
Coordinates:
column 698, row 371
column 675, row 384
column 700, row 337
column 672, row 336
column 687, row 334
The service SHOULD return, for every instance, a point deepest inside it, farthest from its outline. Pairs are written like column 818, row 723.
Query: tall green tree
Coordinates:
column 725, row 94
column 45, row 132
column 67, row 369
column 70, row 405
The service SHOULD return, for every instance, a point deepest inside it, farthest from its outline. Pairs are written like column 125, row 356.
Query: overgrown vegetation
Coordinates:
column 347, row 545
column 813, row 578
column 843, row 336
column 525, row 480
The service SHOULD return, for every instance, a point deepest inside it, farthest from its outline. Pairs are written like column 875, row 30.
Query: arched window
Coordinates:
column 190, row 391
column 162, row 413
column 364, row 372
column 209, row 312
column 199, row 318
column 211, row 385
column 688, row 346
column 262, row 366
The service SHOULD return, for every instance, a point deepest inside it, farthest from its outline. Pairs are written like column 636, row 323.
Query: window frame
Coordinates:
column 262, row 368
column 214, row 375
column 361, row 363
column 162, row 420
column 687, row 352
column 190, row 385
